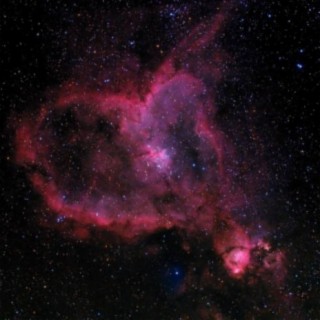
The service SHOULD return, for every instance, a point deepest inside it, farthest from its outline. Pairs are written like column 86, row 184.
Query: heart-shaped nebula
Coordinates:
column 135, row 161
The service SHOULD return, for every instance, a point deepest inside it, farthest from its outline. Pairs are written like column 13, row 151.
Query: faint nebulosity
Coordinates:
column 160, row 160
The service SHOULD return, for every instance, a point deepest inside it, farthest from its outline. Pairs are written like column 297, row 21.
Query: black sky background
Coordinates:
column 275, row 54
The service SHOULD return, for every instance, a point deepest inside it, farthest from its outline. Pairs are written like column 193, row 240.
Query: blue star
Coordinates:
column 299, row 66
column 173, row 277
column 132, row 43
column 60, row 219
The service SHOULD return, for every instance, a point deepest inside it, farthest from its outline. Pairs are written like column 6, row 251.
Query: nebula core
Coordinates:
column 145, row 153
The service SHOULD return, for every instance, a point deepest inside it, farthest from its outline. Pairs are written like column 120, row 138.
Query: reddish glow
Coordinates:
column 232, row 243
column 133, row 161
column 237, row 260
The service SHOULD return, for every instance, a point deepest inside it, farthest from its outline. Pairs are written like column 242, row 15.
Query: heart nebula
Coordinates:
column 133, row 162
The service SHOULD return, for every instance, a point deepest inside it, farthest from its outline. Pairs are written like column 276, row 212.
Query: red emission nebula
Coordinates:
column 146, row 154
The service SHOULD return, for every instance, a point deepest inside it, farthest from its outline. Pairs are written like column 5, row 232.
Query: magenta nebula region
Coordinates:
column 146, row 153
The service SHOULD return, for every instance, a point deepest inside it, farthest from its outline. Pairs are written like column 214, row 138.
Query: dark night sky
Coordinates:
column 271, row 56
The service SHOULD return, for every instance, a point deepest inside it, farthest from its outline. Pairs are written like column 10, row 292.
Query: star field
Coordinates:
column 159, row 160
